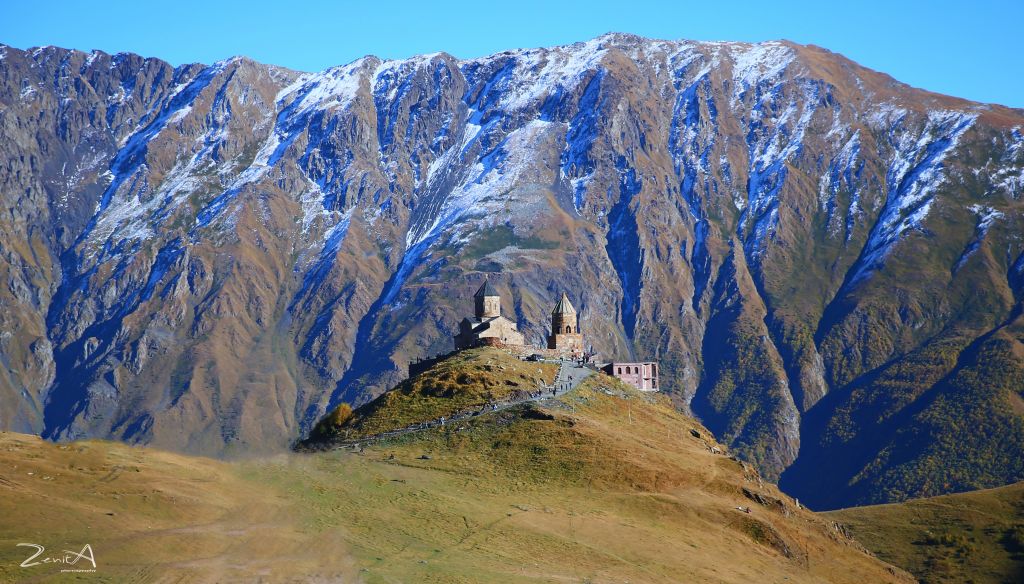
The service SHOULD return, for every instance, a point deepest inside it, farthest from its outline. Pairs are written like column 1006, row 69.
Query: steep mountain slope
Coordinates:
column 968, row 537
column 602, row 484
column 825, row 261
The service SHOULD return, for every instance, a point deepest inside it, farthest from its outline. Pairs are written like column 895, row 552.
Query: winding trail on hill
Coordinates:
column 568, row 378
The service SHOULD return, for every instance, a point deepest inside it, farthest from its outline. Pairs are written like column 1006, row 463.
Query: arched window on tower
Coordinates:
column 568, row 329
column 620, row 370
column 627, row 370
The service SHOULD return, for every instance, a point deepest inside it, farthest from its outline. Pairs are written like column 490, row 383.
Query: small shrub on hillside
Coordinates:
column 1013, row 540
column 330, row 424
column 958, row 542
column 340, row 416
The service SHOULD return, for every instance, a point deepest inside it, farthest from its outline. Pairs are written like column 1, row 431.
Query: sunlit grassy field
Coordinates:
column 968, row 537
column 604, row 484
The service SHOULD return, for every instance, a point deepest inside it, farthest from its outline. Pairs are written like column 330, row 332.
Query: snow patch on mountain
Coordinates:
column 490, row 180
column 312, row 202
column 986, row 217
column 1008, row 175
column 886, row 116
column 692, row 140
column 843, row 174
column 914, row 173
column 535, row 73
column 452, row 155
column 325, row 259
column 298, row 105
column 1017, row 146
column 124, row 219
column 125, row 201
column 477, row 202
column 331, row 89
column 576, row 165
column 756, row 64
column 93, row 55
column 773, row 140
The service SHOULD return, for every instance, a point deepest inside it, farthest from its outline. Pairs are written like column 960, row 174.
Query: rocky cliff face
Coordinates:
column 826, row 262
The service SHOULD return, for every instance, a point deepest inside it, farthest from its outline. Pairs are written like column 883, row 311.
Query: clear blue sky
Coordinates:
column 972, row 49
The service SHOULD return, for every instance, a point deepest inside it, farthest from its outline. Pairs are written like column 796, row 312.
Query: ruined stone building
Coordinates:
column 565, row 332
column 487, row 325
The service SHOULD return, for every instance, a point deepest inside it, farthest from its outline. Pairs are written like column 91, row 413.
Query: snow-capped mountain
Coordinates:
column 826, row 262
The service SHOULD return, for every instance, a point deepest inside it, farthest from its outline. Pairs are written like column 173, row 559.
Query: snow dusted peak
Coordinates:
column 401, row 67
column 414, row 62
column 92, row 58
column 42, row 50
column 521, row 78
column 392, row 73
column 622, row 39
column 225, row 63
column 637, row 47
column 42, row 54
column 755, row 63
column 330, row 89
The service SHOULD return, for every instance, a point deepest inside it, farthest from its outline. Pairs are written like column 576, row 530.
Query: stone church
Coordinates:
column 488, row 327
column 487, row 324
column 565, row 330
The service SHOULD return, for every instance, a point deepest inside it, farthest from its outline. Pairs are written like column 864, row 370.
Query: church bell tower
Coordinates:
column 565, row 333
column 487, row 302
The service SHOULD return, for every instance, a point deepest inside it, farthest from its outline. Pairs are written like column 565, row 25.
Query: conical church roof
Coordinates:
column 564, row 306
column 485, row 291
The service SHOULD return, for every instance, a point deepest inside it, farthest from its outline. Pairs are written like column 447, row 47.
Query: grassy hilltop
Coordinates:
column 603, row 484
column 466, row 380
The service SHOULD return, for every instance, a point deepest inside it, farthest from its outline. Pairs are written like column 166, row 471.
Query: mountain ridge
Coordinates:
column 241, row 242
column 610, row 36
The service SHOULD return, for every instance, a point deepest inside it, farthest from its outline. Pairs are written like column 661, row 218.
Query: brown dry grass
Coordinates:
column 604, row 484
column 151, row 516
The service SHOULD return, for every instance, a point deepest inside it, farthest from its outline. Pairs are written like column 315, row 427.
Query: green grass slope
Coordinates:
column 968, row 537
